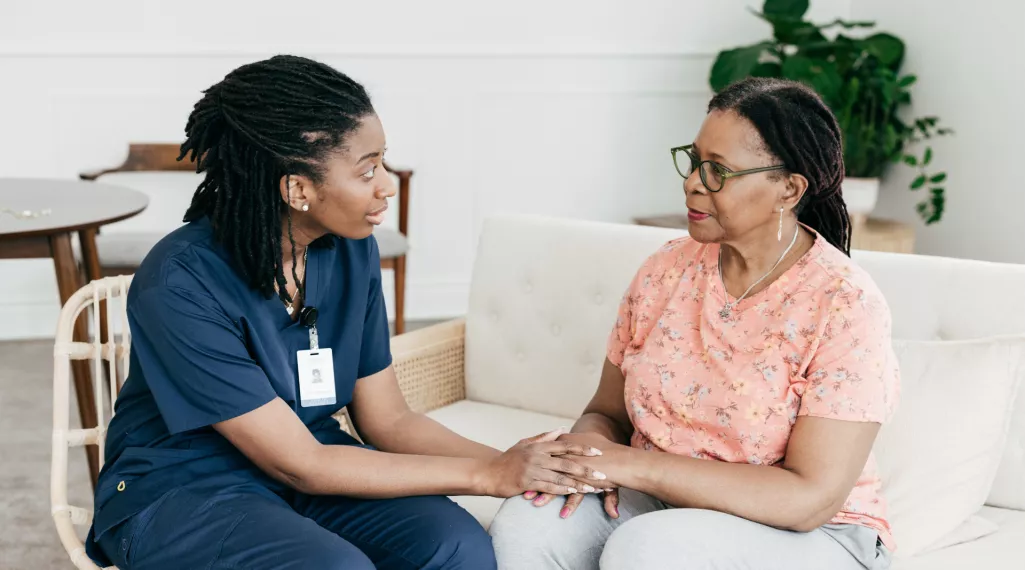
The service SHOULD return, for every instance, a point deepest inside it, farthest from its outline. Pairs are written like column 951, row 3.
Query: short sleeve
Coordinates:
column 853, row 374
column 646, row 291
column 375, row 352
column 194, row 359
column 625, row 326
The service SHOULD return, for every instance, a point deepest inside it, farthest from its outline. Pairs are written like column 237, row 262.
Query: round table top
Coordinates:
column 59, row 206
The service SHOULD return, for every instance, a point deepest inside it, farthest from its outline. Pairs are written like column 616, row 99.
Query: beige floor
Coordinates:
column 28, row 540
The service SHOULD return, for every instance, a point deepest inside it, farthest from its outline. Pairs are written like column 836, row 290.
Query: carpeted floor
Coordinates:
column 28, row 538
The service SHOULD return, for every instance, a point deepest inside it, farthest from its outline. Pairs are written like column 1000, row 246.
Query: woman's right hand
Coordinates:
column 535, row 464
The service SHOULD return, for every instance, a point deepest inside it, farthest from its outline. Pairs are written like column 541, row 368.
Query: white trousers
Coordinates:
column 648, row 534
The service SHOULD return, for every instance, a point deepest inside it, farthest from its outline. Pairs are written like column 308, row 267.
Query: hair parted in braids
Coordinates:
column 801, row 132
column 266, row 120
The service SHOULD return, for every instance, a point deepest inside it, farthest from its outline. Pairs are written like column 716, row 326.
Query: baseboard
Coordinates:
column 430, row 300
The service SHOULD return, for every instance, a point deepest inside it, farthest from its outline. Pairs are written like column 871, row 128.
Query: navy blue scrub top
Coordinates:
column 207, row 348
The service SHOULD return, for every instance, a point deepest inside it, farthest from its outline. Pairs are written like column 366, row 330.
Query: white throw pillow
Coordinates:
column 974, row 528
column 939, row 454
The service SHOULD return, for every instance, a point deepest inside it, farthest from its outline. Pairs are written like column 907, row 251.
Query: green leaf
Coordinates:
column 918, row 182
column 907, row 81
column 735, row 64
column 938, row 178
column 851, row 25
column 767, row 69
column 794, row 9
column 797, row 32
column 888, row 48
column 819, row 74
column 931, row 209
column 910, row 160
column 928, row 156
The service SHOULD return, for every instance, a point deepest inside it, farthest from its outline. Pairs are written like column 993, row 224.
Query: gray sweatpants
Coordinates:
column 649, row 534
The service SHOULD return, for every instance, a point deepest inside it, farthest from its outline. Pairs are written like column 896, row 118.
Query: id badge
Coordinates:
column 316, row 378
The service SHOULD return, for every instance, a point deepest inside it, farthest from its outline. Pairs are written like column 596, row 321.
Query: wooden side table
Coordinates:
column 870, row 234
column 883, row 235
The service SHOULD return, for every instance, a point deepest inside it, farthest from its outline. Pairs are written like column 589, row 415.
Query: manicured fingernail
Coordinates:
column 572, row 491
column 529, row 495
column 615, row 510
column 540, row 499
column 588, row 489
column 564, row 512
column 595, row 451
column 598, row 475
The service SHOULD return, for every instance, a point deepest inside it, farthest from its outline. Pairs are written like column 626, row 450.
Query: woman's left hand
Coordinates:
column 614, row 463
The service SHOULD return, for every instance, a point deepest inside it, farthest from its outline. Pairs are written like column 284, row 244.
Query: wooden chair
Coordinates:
column 121, row 253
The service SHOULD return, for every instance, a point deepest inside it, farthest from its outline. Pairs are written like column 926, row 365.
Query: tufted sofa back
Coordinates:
column 545, row 292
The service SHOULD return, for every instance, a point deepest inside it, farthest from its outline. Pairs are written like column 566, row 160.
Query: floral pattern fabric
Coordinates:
column 815, row 342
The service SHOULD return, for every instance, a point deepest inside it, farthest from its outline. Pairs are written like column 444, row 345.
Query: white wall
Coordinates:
column 968, row 58
column 563, row 108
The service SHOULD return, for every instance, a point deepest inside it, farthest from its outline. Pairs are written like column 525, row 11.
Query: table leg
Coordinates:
column 90, row 254
column 93, row 271
column 68, row 282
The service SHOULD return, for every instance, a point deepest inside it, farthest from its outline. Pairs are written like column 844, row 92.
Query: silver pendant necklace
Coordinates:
column 727, row 310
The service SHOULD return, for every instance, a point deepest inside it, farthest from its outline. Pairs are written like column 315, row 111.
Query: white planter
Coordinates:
column 861, row 195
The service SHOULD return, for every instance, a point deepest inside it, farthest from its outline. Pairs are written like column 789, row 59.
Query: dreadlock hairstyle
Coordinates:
column 800, row 131
column 277, row 117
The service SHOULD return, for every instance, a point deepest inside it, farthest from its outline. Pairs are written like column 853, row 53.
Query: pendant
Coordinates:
column 290, row 309
column 725, row 313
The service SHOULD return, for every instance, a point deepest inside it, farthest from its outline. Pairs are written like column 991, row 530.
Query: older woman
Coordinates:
column 747, row 374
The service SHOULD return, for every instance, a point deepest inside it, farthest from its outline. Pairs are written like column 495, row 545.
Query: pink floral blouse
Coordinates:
column 816, row 342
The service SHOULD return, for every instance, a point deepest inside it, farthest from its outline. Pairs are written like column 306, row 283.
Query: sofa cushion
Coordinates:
column 498, row 426
column 1009, row 486
column 939, row 455
column 542, row 304
column 1002, row 550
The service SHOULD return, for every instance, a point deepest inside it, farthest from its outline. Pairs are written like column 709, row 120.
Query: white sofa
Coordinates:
column 544, row 295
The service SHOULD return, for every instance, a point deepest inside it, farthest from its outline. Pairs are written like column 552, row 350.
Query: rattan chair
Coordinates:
column 109, row 355
column 428, row 363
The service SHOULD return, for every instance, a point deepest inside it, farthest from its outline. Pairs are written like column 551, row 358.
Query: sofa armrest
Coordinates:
column 429, row 366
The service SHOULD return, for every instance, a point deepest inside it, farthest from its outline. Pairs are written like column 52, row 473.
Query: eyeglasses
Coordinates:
column 713, row 174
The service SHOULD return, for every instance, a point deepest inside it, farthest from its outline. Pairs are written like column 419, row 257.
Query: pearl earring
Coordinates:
column 779, row 234
column 306, row 208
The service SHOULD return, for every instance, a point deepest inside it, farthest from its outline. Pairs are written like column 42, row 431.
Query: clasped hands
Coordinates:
column 559, row 463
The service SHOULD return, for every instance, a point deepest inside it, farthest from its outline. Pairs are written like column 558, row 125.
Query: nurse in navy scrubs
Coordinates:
column 223, row 452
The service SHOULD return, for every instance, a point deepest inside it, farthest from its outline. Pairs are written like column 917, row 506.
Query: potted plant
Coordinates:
column 859, row 77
